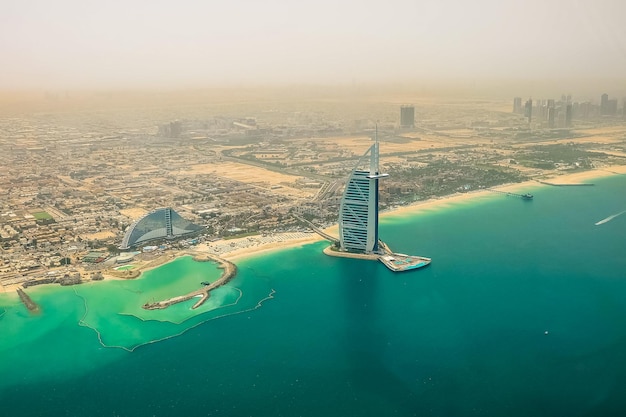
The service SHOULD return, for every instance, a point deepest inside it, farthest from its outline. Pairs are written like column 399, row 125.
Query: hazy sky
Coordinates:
column 145, row 43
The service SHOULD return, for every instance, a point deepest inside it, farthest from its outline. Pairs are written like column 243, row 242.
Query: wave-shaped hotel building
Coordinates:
column 163, row 223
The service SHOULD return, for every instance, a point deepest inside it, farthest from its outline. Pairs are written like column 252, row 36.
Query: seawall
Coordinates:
column 28, row 302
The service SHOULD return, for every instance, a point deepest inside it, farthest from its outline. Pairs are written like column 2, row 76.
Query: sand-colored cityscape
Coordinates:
column 78, row 171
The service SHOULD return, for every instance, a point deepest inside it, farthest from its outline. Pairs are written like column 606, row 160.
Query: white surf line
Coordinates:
column 608, row 219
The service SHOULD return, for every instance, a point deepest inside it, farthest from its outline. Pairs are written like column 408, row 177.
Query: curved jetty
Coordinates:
column 230, row 270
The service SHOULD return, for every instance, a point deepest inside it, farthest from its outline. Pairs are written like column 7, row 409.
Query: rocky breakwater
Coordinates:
column 230, row 271
column 28, row 302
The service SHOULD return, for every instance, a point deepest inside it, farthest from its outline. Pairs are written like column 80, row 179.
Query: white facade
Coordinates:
column 358, row 213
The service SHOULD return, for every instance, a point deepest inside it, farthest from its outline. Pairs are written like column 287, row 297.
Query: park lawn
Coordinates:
column 42, row 215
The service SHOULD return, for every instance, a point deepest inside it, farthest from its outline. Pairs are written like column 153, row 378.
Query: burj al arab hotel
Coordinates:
column 358, row 212
column 358, row 218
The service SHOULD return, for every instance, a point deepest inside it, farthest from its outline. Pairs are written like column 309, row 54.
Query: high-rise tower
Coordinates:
column 517, row 105
column 407, row 116
column 551, row 115
column 528, row 109
column 604, row 104
column 358, row 219
column 358, row 213
column 568, row 115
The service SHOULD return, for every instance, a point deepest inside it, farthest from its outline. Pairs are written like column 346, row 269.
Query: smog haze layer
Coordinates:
column 531, row 47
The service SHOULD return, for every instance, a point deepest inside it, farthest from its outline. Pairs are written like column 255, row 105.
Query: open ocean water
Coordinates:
column 521, row 313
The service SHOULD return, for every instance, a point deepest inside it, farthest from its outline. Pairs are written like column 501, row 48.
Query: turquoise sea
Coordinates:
column 521, row 313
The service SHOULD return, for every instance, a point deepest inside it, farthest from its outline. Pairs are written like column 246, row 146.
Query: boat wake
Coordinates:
column 608, row 219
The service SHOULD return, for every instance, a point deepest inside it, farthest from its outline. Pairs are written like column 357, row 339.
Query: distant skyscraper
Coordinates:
column 171, row 130
column 604, row 104
column 517, row 105
column 585, row 110
column 568, row 115
column 407, row 116
column 611, row 107
column 358, row 213
column 528, row 109
column 176, row 128
column 551, row 114
column 561, row 119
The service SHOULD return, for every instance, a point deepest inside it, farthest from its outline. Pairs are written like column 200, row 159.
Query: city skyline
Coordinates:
column 72, row 45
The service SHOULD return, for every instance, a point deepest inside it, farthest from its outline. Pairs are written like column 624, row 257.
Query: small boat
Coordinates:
column 527, row 196
column 205, row 283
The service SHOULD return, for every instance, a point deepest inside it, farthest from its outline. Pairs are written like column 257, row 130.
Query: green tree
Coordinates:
column 113, row 249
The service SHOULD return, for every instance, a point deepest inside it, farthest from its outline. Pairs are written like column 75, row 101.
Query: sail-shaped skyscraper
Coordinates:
column 358, row 218
column 358, row 213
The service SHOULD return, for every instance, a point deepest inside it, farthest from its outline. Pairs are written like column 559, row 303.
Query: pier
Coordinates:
column 526, row 196
column 580, row 184
column 230, row 270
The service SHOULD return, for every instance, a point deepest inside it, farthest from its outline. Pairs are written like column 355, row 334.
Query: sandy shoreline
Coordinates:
column 254, row 246
column 270, row 247
column 519, row 187
column 436, row 203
